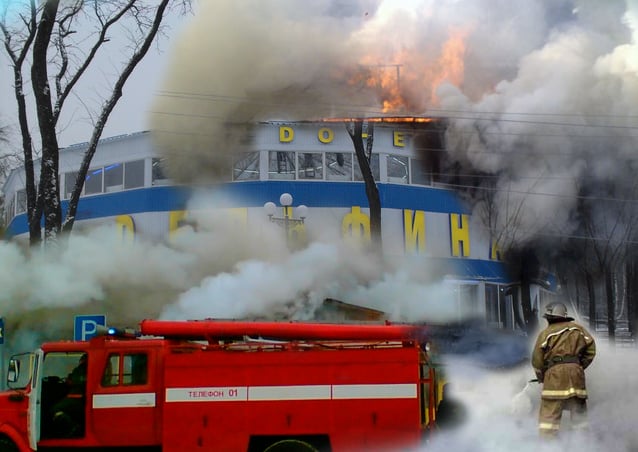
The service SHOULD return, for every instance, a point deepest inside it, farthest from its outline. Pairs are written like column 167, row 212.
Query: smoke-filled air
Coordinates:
column 542, row 96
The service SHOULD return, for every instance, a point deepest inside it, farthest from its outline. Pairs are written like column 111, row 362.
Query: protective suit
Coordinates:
column 561, row 354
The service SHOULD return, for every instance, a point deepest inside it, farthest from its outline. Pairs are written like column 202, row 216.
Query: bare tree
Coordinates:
column 631, row 278
column 4, row 166
column 364, row 155
column 610, row 241
column 46, row 35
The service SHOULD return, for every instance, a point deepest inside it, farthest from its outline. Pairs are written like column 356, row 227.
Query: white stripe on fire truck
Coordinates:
column 295, row 392
column 395, row 391
column 309, row 392
column 134, row 400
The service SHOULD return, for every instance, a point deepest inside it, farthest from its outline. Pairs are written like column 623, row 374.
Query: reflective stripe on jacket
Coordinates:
column 561, row 353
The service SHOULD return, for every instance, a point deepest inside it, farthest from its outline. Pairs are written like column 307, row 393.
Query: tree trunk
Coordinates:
column 49, row 182
column 34, row 204
column 632, row 297
column 528, row 270
column 611, row 306
column 591, row 291
column 372, row 191
column 531, row 320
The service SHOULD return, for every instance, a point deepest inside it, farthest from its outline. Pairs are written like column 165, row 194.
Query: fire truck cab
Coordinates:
column 227, row 386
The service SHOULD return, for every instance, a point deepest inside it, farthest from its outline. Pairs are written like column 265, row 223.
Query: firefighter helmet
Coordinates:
column 556, row 311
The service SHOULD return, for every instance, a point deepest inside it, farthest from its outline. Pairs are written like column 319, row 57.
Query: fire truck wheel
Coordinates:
column 6, row 445
column 290, row 445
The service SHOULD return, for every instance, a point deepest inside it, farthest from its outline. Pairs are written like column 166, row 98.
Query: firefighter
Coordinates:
column 68, row 413
column 561, row 354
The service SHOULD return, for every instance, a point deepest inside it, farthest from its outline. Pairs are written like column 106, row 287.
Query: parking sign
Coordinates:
column 85, row 326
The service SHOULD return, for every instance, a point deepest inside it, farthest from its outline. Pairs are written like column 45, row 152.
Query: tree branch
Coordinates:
column 94, row 49
column 107, row 108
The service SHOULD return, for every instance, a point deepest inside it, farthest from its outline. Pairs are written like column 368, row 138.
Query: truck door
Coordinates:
column 123, row 405
column 35, row 400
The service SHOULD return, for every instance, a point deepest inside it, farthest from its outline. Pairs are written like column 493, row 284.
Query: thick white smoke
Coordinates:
column 215, row 270
column 562, row 120
column 502, row 410
column 529, row 71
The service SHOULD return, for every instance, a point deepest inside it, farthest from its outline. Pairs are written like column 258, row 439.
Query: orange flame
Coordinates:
column 408, row 84
column 386, row 119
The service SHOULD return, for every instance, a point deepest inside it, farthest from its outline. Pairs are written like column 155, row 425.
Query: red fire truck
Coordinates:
column 214, row 385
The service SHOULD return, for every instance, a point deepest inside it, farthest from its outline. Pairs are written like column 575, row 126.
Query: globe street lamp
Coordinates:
column 287, row 220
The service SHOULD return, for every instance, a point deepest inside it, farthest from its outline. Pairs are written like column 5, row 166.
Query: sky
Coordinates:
column 131, row 113
column 542, row 93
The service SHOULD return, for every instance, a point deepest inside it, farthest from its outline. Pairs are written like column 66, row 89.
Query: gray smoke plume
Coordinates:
column 541, row 94
column 562, row 120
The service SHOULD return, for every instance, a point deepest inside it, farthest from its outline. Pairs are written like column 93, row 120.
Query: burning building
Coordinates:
column 313, row 163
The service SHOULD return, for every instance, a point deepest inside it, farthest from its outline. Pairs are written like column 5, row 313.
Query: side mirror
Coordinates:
column 13, row 372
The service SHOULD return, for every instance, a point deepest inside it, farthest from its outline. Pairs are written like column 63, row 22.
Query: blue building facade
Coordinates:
column 315, row 163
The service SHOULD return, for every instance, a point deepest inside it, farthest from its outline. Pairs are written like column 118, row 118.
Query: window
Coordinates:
column 158, row 173
column 93, row 182
column 467, row 299
column 498, row 307
column 113, row 177
column 135, row 369
column 21, row 201
column 338, row 166
column 398, row 169
column 246, row 166
column 111, row 374
column 134, row 174
column 310, row 165
column 492, row 311
column 61, row 364
column 421, row 174
column 127, row 369
column 281, row 165
column 69, row 183
column 374, row 167
column 11, row 209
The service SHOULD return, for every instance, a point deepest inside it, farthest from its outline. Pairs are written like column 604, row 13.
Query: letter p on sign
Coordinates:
column 85, row 326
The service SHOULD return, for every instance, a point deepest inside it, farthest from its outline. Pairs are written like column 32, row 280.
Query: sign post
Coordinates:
column 85, row 326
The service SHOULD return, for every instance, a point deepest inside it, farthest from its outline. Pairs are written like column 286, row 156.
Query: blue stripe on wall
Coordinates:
column 255, row 194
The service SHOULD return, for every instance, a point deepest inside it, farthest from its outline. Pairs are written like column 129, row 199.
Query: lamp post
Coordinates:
column 287, row 220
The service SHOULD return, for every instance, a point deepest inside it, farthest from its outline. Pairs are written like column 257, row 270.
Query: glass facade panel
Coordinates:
column 159, row 173
column 338, row 166
column 398, row 169
column 310, row 165
column 374, row 167
column 281, row 165
column 11, row 209
column 93, row 182
column 246, row 166
column 421, row 175
column 134, row 174
column 492, row 309
column 21, row 201
column 69, row 183
column 114, row 177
